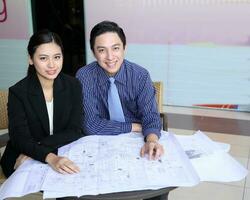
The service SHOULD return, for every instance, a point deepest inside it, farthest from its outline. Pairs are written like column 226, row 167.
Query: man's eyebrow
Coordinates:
column 117, row 44
column 98, row 47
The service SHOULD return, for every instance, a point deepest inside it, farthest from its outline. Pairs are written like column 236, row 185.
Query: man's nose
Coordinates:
column 109, row 55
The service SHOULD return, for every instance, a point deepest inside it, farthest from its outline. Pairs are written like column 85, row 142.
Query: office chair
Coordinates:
column 159, row 96
column 3, row 109
column 3, row 122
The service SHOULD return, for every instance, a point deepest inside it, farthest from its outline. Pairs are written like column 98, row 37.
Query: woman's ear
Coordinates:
column 30, row 61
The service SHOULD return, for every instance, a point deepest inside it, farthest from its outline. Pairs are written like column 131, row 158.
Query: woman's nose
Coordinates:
column 51, row 63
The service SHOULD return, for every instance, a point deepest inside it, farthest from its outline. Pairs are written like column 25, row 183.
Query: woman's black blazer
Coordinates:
column 29, row 122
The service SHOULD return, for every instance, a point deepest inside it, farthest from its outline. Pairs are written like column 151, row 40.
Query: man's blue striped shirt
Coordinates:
column 137, row 96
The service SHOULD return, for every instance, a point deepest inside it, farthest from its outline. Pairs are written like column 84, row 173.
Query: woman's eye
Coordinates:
column 42, row 58
column 57, row 57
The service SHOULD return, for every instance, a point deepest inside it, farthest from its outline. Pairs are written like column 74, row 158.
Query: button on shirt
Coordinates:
column 137, row 96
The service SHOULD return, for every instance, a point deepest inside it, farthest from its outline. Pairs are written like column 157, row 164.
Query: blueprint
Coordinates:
column 29, row 176
column 113, row 164
column 210, row 159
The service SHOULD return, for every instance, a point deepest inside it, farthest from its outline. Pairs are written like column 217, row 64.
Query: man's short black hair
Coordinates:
column 104, row 27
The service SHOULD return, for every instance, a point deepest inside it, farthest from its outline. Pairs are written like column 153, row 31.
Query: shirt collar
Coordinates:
column 101, row 74
column 121, row 74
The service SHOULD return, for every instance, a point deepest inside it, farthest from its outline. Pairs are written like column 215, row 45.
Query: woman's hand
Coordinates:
column 154, row 149
column 21, row 158
column 61, row 164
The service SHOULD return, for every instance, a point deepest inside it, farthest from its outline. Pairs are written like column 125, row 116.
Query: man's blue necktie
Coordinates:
column 114, row 103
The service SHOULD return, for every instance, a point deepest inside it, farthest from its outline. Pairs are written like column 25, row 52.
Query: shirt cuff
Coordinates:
column 126, row 127
column 151, row 130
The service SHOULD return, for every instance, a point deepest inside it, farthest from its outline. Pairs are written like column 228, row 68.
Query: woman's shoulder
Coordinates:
column 20, row 85
column 68, row 78
column 69, row 81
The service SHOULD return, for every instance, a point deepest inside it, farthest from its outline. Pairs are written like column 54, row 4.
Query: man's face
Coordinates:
column 109, row 52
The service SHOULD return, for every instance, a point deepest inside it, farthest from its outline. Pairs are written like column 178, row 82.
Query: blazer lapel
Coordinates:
column 62, row 105
column 37, row 101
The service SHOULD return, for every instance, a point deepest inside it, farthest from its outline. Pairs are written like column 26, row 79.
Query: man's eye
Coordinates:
column 100, row 50
column 116, row 48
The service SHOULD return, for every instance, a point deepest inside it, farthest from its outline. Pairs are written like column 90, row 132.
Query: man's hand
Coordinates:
column 136, row 127
column 61, row 164
column 154, row 149
column 21, row 158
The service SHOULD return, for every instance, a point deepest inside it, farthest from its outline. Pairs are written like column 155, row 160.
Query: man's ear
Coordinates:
column 93, row 52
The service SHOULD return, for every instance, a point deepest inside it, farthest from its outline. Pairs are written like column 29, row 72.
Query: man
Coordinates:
column 136, row 92
column 135, row 88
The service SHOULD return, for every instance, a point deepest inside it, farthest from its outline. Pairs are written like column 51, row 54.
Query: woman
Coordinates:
column 44, row 109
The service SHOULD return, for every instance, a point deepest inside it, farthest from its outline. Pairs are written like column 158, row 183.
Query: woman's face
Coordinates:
column 47, row 60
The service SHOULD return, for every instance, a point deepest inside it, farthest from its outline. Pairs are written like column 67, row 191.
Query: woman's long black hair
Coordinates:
column 41, row 37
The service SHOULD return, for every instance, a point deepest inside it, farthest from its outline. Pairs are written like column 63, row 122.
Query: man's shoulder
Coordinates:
column 87, row 74
column 134, row 68
column 87, row 69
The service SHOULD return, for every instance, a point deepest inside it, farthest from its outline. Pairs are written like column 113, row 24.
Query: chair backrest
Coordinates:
column 159, row 93
column 3, row 121
column 3, row 109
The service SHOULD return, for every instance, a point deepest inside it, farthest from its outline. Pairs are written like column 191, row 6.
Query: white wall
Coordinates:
column 199, row 49
column 14, row 35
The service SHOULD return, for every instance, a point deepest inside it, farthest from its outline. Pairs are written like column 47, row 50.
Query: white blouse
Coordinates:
column 50, row 106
